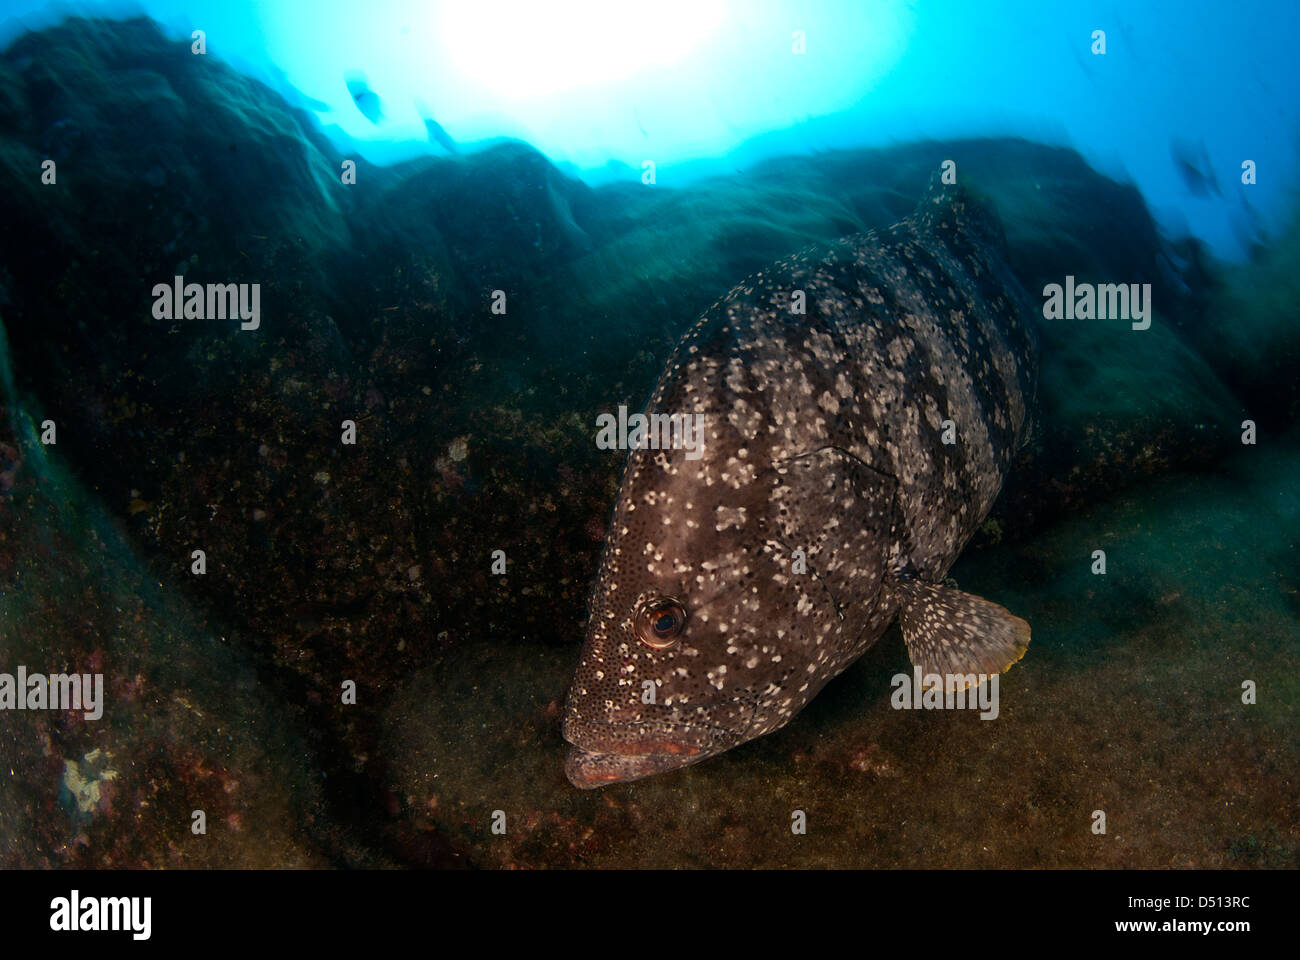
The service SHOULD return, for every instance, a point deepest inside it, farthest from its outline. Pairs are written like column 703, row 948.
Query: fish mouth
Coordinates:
column 618, row 753
column 587, row 770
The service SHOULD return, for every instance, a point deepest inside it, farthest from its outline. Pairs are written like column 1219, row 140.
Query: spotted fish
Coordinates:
column 860, row 410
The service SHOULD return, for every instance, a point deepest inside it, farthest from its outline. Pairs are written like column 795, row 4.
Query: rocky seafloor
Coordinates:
column 371, row 562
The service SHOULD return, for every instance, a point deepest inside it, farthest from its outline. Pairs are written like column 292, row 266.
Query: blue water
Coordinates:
column 701, row 86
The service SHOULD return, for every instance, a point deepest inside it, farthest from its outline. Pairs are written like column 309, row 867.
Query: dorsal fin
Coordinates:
column 947, row 208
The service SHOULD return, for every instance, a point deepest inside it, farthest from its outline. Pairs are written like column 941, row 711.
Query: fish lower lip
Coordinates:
column 588, row 770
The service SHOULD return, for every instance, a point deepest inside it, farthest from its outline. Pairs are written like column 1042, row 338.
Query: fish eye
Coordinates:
column 659, row 622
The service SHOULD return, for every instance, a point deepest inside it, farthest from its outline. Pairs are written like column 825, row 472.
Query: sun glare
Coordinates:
column 523, row 50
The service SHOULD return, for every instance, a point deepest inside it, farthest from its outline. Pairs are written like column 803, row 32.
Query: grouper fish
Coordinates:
column 860, row 410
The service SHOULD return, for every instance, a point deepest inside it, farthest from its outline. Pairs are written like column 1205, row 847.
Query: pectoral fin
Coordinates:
column 949, row 632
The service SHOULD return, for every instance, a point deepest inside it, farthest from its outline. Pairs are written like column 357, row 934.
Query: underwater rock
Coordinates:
column 185, row 725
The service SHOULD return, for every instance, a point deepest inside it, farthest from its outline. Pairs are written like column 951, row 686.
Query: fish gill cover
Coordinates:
column 305, row 380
